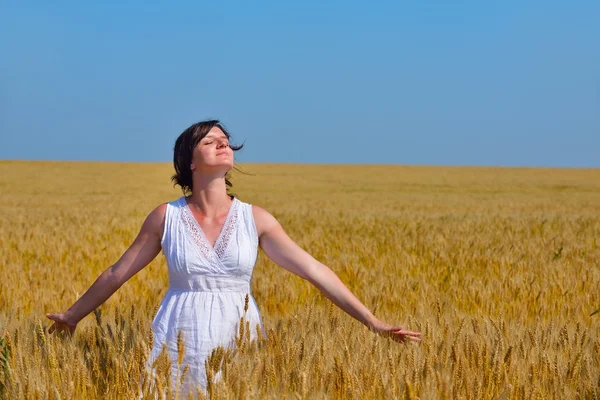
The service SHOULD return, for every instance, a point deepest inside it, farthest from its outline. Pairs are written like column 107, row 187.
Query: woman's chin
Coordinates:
column 228, row 166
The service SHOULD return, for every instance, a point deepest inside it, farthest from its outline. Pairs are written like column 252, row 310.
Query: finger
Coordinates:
column 406, row 332
column 407, row 339
column 411, row 333
column 52, row 328
column 402, row 338
column 54, row 317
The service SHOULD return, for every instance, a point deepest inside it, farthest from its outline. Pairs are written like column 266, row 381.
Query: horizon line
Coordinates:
column 8, row 160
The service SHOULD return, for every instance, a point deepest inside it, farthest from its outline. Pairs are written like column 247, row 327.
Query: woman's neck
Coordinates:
column 209, row 196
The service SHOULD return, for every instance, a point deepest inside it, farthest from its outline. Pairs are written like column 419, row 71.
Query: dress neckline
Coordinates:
column 218, row 248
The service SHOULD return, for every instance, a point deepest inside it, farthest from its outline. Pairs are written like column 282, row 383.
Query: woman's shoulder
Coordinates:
column 263, row 219
column 159, row 212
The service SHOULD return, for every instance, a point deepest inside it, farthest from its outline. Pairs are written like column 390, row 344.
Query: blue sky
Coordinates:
column 508, row 83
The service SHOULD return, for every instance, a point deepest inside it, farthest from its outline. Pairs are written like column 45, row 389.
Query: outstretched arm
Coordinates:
column 142, row 251
column 280, row 248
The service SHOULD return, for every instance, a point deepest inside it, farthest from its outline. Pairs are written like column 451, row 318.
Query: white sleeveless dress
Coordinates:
column 207, row 288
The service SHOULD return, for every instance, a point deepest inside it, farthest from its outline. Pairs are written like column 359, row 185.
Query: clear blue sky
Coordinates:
column 514, row 83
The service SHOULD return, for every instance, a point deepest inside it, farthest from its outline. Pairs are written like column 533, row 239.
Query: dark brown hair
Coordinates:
column 184, row 148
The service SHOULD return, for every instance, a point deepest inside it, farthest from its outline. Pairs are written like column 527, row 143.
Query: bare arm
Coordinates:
column 142, row 251
column 280, row 248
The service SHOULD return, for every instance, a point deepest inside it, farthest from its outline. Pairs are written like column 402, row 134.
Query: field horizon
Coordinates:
column 170, row 163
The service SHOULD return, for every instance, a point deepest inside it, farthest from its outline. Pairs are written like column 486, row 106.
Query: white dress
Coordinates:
column 207, row 288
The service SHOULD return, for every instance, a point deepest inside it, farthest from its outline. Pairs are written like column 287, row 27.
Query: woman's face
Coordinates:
column 213, row 153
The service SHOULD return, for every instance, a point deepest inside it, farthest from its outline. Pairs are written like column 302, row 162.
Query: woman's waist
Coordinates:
column 210, row 283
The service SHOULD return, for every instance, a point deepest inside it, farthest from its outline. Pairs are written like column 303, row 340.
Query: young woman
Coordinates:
column 210, row 241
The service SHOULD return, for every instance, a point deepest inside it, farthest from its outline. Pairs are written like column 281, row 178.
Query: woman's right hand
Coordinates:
column 62, row 323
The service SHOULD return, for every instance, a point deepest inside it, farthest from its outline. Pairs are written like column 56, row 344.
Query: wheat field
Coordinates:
column 498, row 267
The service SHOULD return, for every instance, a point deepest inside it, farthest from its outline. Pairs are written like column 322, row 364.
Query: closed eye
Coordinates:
column 210, row 141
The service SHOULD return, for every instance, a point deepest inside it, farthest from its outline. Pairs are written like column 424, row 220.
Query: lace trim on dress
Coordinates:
column 227, row 230
column 198, row 235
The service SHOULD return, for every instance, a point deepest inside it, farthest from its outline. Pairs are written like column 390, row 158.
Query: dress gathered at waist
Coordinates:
column 208, row 283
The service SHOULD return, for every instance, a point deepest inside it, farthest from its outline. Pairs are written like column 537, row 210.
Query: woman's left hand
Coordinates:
column 395, row 333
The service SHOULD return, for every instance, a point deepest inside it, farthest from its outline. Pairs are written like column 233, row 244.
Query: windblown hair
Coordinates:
column 184, row 148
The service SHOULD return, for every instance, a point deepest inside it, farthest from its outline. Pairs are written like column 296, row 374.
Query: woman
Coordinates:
column 210, row 241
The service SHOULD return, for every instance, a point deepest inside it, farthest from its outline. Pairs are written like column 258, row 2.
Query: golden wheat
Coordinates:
column 497, row 266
